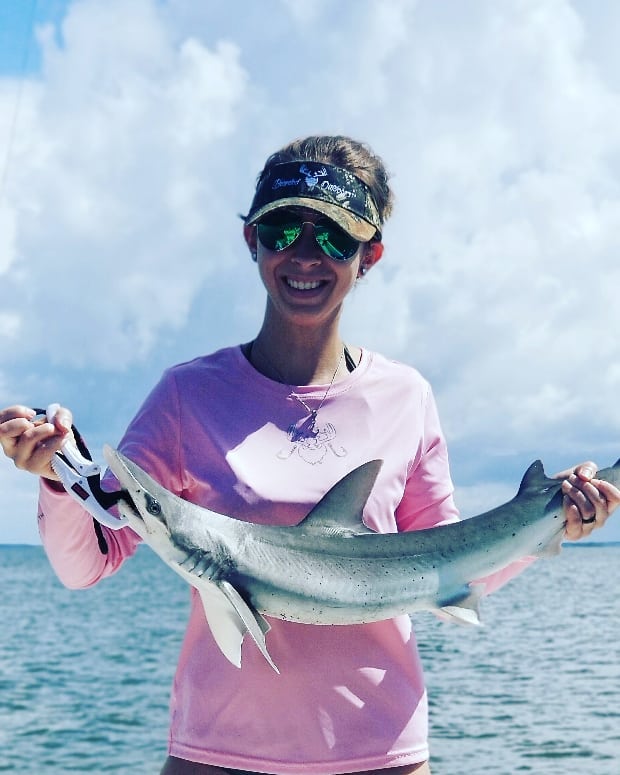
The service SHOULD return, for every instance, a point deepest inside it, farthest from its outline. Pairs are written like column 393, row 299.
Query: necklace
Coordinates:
column 305, row 427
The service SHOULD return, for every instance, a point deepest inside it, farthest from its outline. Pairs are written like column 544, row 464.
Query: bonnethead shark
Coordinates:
column 331, row 569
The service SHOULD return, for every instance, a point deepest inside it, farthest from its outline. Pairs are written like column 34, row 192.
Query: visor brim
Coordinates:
column 355, row 226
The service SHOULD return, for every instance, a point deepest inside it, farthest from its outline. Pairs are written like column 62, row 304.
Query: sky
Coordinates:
column 131, row 134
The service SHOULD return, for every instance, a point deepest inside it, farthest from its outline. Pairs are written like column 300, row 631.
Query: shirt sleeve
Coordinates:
column 428, row 499
column 67, row 530
column 71, row 544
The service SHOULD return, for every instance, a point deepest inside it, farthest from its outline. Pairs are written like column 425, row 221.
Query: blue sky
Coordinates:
column 131, row 132
column 19, row 19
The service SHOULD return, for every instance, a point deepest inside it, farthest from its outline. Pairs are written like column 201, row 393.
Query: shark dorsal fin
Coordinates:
column 532, row 478
column 340, row 510
column 535, row 481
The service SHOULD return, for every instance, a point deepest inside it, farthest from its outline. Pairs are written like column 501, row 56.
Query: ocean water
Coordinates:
column 85, row 675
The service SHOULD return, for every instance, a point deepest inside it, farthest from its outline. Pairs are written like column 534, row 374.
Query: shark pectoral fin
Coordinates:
column 225, row 624
column 251, row 620
column 463, row 608
column 229, row 617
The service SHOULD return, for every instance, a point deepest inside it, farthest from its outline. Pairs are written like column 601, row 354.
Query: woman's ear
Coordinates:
column 372, row 253
column 249, row 235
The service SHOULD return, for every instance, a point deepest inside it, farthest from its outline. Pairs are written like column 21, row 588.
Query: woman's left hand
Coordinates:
column 588, row 502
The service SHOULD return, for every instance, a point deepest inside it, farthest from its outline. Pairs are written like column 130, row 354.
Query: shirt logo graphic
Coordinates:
column 314, row 447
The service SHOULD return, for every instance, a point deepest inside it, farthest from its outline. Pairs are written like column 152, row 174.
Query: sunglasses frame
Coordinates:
column 290, row 217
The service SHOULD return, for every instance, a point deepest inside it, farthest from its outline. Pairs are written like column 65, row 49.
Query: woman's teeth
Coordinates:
column 303, row 286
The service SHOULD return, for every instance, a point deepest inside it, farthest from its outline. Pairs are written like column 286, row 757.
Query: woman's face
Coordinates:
column 304, row 285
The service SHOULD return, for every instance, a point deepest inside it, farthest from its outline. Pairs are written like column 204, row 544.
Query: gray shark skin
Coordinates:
column 330, row 568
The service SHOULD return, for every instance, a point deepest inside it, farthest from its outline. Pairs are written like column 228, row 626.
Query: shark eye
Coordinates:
column 152, row 505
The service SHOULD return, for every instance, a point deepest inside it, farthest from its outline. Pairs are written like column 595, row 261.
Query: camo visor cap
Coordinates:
column 330, row 190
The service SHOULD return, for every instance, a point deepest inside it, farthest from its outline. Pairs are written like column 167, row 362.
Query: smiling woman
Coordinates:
column 261, row 432
column 317, row 197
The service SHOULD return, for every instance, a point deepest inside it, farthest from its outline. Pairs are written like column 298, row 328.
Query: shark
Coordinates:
column 331, row 569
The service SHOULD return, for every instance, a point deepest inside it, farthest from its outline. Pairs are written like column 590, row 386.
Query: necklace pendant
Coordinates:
column 304, row 428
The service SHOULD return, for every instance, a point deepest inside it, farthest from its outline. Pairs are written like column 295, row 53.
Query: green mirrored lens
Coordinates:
column 335, row 242
column 279, row 234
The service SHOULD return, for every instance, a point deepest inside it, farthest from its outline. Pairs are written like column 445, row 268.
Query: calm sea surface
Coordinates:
column 85, row 676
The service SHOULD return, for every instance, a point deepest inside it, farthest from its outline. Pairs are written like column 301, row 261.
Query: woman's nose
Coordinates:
column 306, row 248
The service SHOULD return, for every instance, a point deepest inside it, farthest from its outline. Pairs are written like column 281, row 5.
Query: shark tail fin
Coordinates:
column 463, row 608
column 230, row 618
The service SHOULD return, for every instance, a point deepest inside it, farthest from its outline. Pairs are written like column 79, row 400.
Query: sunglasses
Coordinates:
column 279, row 230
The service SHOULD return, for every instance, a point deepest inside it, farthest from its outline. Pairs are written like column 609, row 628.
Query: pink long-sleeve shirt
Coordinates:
column 214, row 431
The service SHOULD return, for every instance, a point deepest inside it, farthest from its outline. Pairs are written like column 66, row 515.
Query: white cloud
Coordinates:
column 9, row 326
column 140, row 142
column 482, row 497
column 109, row 182
column 306, row 11
column 18, row 507
column 8, row 233
column 504, row 244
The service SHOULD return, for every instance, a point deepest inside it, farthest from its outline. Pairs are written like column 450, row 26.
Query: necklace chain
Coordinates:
column 305, row 427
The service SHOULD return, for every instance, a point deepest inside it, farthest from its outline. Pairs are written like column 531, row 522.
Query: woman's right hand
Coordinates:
column 31, row 443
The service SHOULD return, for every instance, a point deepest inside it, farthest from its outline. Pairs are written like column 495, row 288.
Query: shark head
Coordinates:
column 141, row 506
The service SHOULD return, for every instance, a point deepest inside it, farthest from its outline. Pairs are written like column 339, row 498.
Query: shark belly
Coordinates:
column 338, row 590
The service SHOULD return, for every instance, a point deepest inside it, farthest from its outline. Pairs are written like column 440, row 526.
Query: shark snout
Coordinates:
column 139, row 488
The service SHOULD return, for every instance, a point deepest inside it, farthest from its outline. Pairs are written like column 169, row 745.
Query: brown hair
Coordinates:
column 341, row 151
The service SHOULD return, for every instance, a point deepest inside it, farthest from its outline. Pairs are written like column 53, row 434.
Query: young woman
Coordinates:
column 260, row 432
